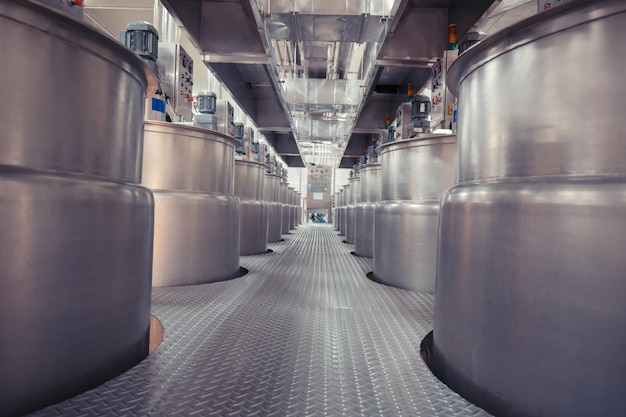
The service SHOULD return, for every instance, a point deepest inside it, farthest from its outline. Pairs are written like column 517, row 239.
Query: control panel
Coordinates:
column 442, row 108
column 176, row 71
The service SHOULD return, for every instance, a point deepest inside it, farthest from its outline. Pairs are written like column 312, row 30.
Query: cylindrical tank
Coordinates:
column 371, row 176
column 530, row 313
column 355, row 198
column 415, row 174
column 298, row 209
column 344, row 213
column 338, row 210
column 333, row 217
column 253, row 212
column 284, row 199
column 274, row 214
column 76, row 254
column 292, row 207
column 191, row 172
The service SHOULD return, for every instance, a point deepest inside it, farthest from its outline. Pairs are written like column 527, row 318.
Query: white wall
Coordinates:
column 342, row 175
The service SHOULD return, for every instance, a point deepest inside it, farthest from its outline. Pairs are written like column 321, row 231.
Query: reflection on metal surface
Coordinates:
column 274, row 215
column 530, row 278
column 355, row 198
column 76, row 250
column 343, row 210
column 415, row 174
column 371, row 176
column 254, row 210
column 197, row 219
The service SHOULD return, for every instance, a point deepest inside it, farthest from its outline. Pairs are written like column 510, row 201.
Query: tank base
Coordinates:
column 75, row 287
column 405, row 244
column 529, row 313
column 196, row 238
column 364, row 229
column 274, row 220
column 253, row 228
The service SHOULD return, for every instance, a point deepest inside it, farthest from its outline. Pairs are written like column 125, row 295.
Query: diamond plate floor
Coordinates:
column 303, row 334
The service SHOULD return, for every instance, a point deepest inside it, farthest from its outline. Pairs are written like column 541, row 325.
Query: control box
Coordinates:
column 225, row 118
column 176, row 71
column 442, row 108
column 403, row 121
column 251, row 144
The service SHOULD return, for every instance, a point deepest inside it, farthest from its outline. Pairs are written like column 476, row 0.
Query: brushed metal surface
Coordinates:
column 291, row 198
column 76, row 250
column 371, row 183
column 405, row 244
column 350, row 223
column 250, row 180
column 196, row 238
column 303, row 334
column 284, row 208
column 197, row 232
column 552, row 131
column 346, row 195
column 283, row 187
column 284, row 212
column 254, row 226
column 355, row 198
column 73, row 97
column 364, row 229
column 293, row 213
column 274, row 220
column 530, row 309
column 272, row 188
column 355, row 190
column 418, row 169
column 185, row 158
column 345, row 199
column 417, row 172
column 343, row 213
column 530, row 277
column 76, row 262
column 371, row 193
column 338, row 218
column 274, row 213
column 254, row 223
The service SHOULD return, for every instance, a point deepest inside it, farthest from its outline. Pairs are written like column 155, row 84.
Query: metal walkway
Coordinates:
column 305, row 333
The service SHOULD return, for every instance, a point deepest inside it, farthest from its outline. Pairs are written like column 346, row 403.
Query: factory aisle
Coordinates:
column 304, row 333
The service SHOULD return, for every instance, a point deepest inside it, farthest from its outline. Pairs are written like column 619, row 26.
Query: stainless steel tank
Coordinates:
column 415, row 174
column 344, row 213
column 274, row 215
column 291, row 197
column 298, row 209
column 191, row 172
column 371, row 176
column 339, row 209
column 530, row 311
column 284, row 200
column 355, row 198
column 253, row 214
column 76, row 252
column 334, row 211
